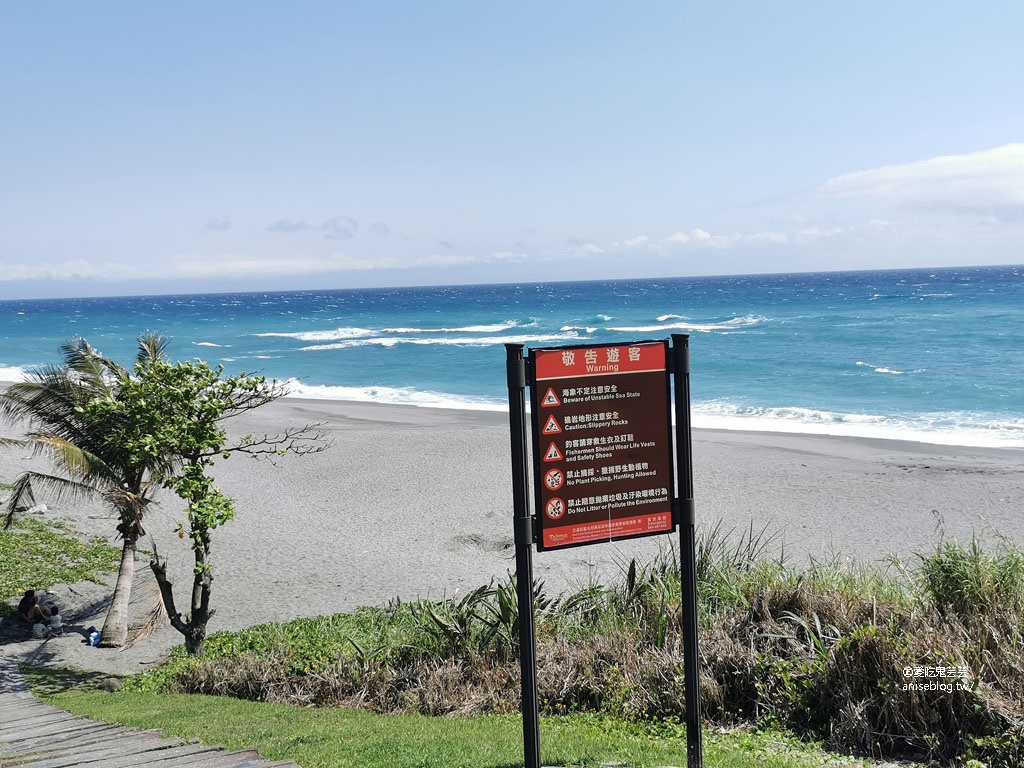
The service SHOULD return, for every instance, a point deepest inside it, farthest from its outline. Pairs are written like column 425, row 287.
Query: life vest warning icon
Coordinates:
column 552, row 453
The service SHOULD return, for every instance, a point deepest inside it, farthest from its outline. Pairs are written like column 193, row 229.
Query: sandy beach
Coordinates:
column 414, row 502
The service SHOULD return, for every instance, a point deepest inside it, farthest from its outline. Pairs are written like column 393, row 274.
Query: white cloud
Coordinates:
column 993, row 178
column 184, row 266
column 340, row 227
column 72, row 269
column 701, row 239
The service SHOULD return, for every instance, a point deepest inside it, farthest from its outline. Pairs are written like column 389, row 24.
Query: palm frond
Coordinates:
column 152, row 347
column 93, row 370
column 23, row 495
column 81, row 463
column 49, row 398
column 152, row 619
column 21, row 498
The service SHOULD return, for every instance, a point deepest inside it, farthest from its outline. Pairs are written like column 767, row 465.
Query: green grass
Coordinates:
column 339, row 738
column 36, row 554
column 821, row 651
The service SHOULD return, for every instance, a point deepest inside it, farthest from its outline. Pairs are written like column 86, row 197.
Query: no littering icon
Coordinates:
column 555, row 508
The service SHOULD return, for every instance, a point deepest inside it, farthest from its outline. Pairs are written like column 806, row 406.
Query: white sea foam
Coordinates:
column 952, row 428
column 663, row 318
column 335, row 335
column 13, row 372
column 206, row 344
column 747, row 321
column 880, row 368
column 492, row 328
column 451, row 341
column 959, row 429
column 392, row 396
column 339, row 334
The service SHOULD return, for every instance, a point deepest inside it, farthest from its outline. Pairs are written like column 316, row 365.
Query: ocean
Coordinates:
column 933, row 355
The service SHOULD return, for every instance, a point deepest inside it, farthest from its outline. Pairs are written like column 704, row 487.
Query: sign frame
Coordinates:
column 548, row 383
column 519, row 371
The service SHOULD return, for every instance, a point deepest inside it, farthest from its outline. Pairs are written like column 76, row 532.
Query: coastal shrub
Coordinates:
column 865, row 661
column 968, row 582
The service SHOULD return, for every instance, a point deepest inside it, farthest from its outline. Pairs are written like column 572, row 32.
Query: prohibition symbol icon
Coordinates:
column 555, row 508
column 554, row 479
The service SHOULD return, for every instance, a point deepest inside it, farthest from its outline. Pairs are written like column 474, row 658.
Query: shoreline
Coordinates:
column 767, row 425
column 413, row 501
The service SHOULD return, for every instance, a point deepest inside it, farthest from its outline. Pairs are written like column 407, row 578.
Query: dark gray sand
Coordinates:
column 414, row 502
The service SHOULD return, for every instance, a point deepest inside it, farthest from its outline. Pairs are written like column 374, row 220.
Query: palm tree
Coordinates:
column 85, row 458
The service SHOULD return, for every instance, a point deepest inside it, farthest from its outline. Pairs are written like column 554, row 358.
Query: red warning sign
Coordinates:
column 550, row 399
column 552, row 427
column 609, row 473
column 552, row 453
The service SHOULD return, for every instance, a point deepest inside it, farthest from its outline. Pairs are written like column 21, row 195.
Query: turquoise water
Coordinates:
column 934, row 355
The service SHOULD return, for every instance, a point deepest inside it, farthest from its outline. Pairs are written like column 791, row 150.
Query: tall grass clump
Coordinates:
column 920, row 660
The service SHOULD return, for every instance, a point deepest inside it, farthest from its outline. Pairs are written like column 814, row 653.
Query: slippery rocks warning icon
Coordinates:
column 551, row 427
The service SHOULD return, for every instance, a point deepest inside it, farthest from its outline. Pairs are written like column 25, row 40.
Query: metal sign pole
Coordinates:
column 523, row 523
column 687, row 547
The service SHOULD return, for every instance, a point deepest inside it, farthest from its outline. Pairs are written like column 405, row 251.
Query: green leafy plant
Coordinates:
column 36, row 554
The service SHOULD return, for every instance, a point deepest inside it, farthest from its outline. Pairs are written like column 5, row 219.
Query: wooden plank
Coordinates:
column 32, row 720
column 51, row 743
column 15, row 705
column 121, row 754
column 53, row 729
column 139, row 752
column 111, row 738
column 219, row 759
column 36, row 735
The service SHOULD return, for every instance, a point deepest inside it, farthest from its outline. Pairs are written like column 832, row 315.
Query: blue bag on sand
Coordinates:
column 94, row 636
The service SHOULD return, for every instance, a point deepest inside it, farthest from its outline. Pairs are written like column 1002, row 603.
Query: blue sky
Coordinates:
column 158, row 147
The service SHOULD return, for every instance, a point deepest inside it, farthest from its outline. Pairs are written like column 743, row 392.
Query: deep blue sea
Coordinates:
column 933, row 355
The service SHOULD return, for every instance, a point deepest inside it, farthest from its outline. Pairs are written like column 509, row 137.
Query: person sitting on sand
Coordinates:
column 29, row 609
column 56, row 622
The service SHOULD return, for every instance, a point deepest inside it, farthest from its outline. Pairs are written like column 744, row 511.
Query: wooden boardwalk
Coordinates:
column 36, row 735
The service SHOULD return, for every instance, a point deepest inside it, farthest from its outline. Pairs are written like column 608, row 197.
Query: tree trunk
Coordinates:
column 194, row 628
column 115, row 627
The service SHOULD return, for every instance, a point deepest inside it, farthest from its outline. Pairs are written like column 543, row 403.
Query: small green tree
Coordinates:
column 173, row 414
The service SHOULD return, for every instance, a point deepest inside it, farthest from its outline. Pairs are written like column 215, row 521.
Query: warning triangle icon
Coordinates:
column 552, row 427
column 550, row 399
column 552, row 453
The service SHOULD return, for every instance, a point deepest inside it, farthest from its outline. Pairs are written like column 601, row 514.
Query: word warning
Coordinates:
column 602, row 442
